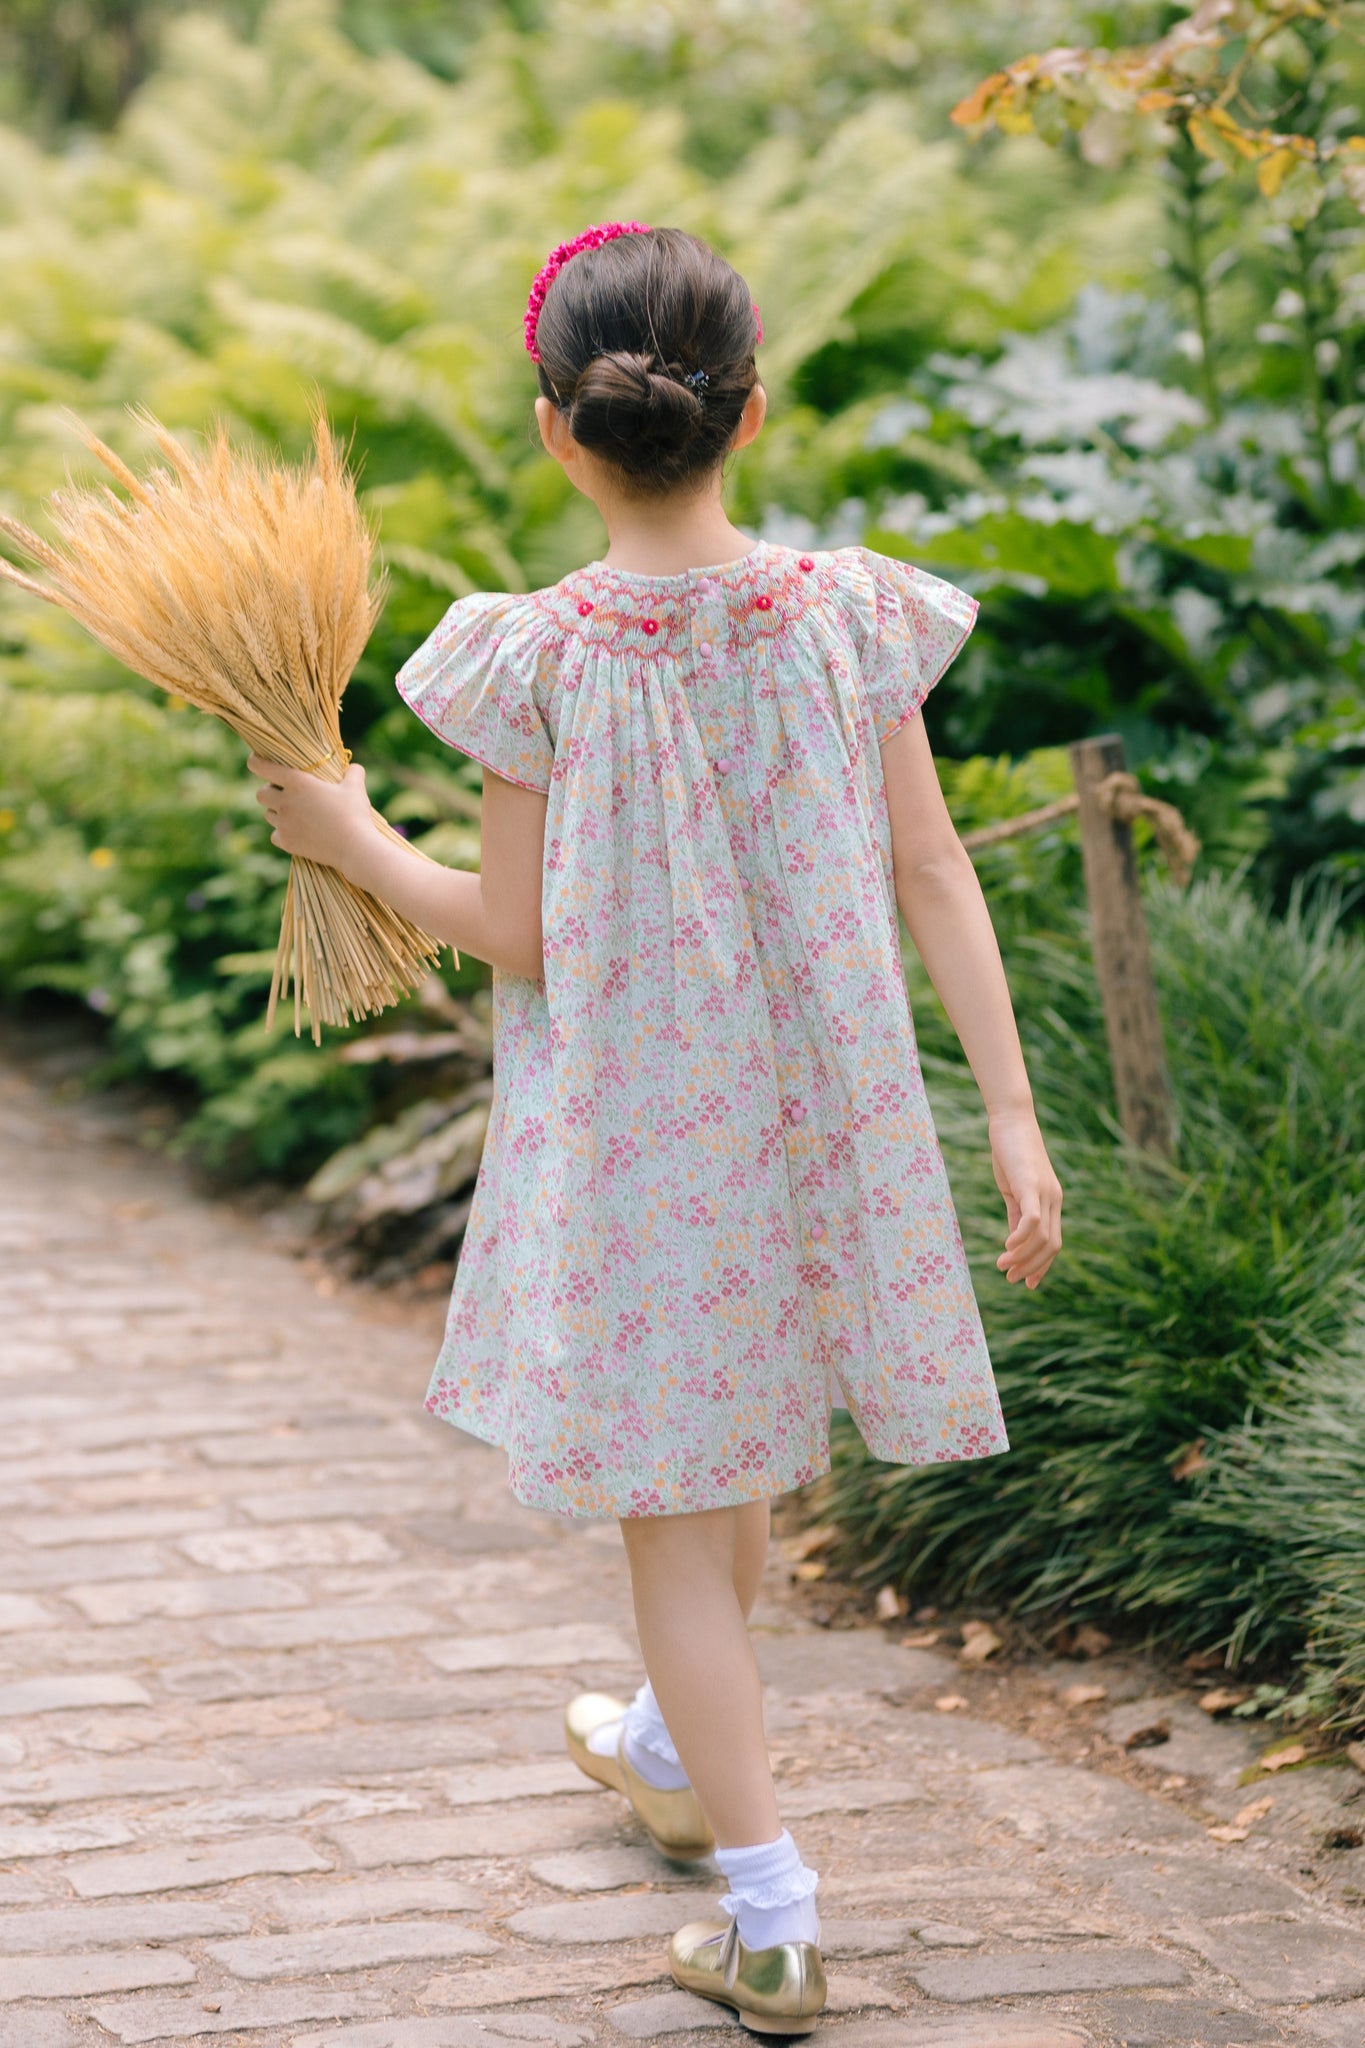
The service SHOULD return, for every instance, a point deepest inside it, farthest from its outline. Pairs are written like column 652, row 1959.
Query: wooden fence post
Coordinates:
column 1123, row 965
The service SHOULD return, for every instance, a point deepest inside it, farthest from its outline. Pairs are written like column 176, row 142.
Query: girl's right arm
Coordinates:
column 495, row 914
column 945, row 913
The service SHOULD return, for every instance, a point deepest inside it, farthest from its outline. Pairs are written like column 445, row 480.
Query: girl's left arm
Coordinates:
column 495, row 914
column 940, row 898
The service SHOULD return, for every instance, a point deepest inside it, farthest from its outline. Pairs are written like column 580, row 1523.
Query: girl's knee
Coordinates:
column 709, row 1533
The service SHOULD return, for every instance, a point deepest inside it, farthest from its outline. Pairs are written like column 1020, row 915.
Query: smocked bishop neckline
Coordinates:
column 712, row 572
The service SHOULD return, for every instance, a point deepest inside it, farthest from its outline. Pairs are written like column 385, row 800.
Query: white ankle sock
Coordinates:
column 648, row 1744
column 772, row 1894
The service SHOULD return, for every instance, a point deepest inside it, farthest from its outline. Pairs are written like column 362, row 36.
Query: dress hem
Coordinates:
column 733, row 1497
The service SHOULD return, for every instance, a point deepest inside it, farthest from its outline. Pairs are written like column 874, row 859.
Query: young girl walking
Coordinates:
column 712, row 1203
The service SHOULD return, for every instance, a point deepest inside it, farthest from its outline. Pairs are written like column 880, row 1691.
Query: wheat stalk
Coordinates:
column 244, row 588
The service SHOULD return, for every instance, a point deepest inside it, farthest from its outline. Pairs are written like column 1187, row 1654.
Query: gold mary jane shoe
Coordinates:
column 778, row 1990
column 673, row 1821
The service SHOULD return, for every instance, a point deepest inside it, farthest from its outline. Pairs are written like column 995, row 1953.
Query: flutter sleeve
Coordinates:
column 914, row 624
column 479, row 681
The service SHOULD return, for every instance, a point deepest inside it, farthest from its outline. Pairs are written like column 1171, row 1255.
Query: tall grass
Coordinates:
column 1189, row 1306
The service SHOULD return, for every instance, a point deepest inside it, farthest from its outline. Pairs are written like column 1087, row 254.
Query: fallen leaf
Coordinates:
column 1247, row 1816
column 951, row 1703
column 809, row 1541
column 1280, row 1759
column 925, row 1614
column 1092, row 1641
column 923, row 1639
column 979, row 1641
column 1149, row 1737
column 810, row 1570
column 1229, row 1834
column 1203, row 1660
column 1223, row 1699
column 890, row 1604
column 1084, row 1695
column 1173, row 1781
column 1356, row 1752
column 1190, row 1460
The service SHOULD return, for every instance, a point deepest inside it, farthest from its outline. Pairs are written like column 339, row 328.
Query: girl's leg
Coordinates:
column 694, row 1577
column 751, row 1551
column 649, row 1745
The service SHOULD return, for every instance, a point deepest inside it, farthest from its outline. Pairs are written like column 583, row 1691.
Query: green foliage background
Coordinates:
column 986, row 357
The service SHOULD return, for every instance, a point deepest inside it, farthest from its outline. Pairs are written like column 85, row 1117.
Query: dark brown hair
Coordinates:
column 622, row 328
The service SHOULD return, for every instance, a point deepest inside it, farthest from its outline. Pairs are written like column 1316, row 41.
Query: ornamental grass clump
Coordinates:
column 1185, row 1393
column 244, row 588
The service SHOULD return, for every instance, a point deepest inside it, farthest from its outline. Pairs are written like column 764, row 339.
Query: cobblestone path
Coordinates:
column 281, row 1673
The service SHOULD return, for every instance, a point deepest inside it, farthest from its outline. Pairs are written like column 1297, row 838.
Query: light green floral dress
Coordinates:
column 712, row 1202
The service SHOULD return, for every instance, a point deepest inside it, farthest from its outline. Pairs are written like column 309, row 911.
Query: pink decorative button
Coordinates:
column 797, row 1112
column 708, row 586
column 806, row 562
column 818, row 1231
column 650, row 626
column 764, row 603
column 705, row 650
column 724, row 765
column 584, row 608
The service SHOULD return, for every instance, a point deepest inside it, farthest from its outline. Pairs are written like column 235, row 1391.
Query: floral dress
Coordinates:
column 712, row 1203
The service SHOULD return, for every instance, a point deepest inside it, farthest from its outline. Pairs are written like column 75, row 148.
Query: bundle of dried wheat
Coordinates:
column 244, row 588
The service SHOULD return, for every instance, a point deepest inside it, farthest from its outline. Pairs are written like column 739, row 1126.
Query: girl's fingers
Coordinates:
column 269, row 771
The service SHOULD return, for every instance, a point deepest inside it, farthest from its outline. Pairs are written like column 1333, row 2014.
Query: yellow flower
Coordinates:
column 102, row 857
column 8, row 820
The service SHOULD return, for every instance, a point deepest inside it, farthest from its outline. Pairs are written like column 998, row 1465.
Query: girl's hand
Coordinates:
column 1032, row 1192
column 319, row 821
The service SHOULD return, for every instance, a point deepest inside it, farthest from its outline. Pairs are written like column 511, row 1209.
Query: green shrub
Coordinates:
column 1188, row 1301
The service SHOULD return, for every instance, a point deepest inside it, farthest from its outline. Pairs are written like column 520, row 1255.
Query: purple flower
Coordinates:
column 100, row 999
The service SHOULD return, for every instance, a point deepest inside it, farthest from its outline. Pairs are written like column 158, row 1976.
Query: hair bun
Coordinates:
column 625, row 406
column 622, row 328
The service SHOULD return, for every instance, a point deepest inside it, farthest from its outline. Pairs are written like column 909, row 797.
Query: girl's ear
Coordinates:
column 751, row 419
column 554, row 430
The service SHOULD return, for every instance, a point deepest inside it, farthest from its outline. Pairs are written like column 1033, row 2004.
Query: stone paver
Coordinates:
column 282, row 1671
column 259, row 1958
column 77, row 1976
column 1022, row 1974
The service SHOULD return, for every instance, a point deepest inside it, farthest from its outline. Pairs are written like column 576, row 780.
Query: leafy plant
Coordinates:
column 1189, row 1305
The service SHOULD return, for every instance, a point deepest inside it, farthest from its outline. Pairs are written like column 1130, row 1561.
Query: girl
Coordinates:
column 712, row 1203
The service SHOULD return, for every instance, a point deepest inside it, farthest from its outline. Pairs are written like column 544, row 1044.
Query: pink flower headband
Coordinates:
column 591, row 238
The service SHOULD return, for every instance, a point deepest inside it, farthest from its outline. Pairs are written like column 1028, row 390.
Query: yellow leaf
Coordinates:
column 1270, row 172
column 1204, row 138
column 978, row 104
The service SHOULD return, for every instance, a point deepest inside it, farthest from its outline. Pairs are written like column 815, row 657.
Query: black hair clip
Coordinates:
column 697, row 380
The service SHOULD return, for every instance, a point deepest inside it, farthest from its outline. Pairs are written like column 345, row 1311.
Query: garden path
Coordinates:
column 281, row 1672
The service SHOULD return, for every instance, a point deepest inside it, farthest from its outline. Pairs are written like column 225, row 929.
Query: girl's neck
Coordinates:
column 665, row 536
